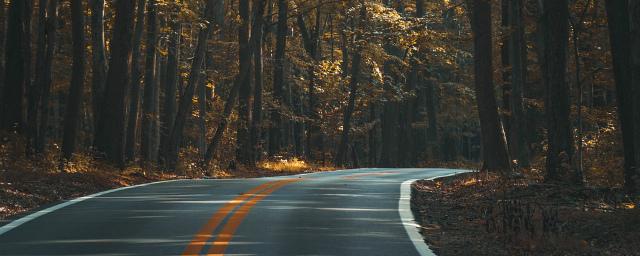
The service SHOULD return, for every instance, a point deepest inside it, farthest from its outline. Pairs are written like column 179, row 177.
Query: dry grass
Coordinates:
column 285, row 165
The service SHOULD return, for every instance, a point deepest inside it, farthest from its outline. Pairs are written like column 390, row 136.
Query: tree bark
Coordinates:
column 222, row 124
column 620, row 39
column 161, row 63
column 244, row 149
column 110, row 133
column 99, row 59
column 134, row 87
column 256, row 37
column 43, row 105
column 495, row 154
column 356, row 59
column 35, row 93
column 148, row 115
column 74, row 100
column 560, row 140
column 275, row 132
column 634, row 25
column 15, row 73
column 348, row 112
column 3, row 31
column 186, row 101
column 518, row 59
column 311, row 43
column 171, row 81
column 28, row 57
column 202, row 112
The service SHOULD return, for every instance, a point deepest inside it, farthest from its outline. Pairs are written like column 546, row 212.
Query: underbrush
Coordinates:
column 483, row 214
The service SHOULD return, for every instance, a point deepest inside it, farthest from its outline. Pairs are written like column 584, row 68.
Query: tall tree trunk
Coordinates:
column 275, row 136
column 634, row 24
column 74, row 100
column 3, row 31
column 505, row 60
column 256, row 37
column 297, row 103
column 348, row 112
column 222, row 124
column 560, row 140
column 15, row 74
column 432, row 106
column 495, row 154
column 186, row 101
column 28, row 70
column 356, row 59
column 202, row 113
column 110, row 133
column 99, row 59
column 43, row 105
column 161, row 64
column 311, row 43
column 171, row 80
column 148, row 115
column 620, row 37
column 518, row 59
column 134, row 87
column 373, row 135
column 244, row 149
column 35, row 93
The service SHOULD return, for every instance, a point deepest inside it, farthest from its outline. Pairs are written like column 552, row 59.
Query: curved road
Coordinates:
column 351, row 212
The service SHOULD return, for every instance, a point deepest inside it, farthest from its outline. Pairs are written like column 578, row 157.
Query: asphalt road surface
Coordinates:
column 351, row 212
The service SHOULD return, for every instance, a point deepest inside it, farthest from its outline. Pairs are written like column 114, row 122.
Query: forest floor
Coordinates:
column 28, row 184
column 482, row 214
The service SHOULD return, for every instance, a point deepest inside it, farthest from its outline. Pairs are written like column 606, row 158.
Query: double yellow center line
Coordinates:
column 246, row 202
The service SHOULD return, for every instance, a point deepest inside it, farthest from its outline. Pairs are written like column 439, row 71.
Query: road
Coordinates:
column 351, row 212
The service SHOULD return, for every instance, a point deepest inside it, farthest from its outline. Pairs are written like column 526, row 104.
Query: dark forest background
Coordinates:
column 546, row 87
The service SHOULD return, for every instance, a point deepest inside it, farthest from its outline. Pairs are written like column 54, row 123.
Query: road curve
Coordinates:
column 351, row 212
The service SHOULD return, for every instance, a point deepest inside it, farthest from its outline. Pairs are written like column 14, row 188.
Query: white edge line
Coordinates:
column 16, row 223
column 407, row 218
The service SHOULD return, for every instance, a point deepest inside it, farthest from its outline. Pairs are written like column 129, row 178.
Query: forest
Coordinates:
column 542, row 90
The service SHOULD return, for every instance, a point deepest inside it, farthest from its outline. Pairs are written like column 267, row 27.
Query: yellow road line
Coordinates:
column 201, row 238
column 222, row 241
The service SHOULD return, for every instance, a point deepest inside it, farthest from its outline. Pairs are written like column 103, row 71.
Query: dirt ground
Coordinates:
column 482, row 214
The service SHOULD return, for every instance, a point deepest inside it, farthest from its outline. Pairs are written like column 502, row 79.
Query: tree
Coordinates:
column 171, row 80
column 312, row 45
column 495, row 156
column 256, row 35
column 619, row 35
column 110, row 133
column 43, row 105
column 3, row 31
column 244, row 149
column 134, row 93
column 518, row 61
column 275, row 132
column 35, row 91
column 71, row 120
column 559, row 136
column 356, row 60
column 99, row 59
column 149, row 116
column 634, row 25
column 186, row 102
column 15, row 73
